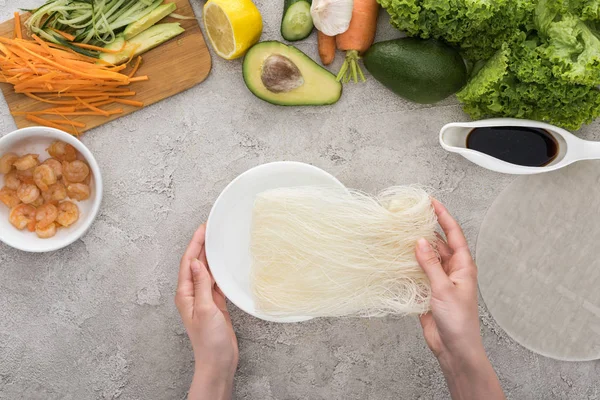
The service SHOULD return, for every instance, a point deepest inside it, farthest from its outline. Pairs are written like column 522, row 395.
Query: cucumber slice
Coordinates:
column 146, row 22
column 147, row 40
column 296, row 23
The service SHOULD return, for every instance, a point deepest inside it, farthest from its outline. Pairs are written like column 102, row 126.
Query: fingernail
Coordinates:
column 196, row 265
column 423, row 244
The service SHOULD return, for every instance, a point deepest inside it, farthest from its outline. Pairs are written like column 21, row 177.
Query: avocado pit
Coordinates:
column 280, row 75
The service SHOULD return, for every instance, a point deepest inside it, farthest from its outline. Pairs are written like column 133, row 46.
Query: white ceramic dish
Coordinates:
column 228, row 227
column 453, row 138
column 36, row 140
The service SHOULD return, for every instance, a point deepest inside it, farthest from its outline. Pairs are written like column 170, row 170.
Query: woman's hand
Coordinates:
column 203, row 310
column 451, row 328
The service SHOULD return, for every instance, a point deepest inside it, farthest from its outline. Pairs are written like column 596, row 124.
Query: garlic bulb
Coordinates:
column 332, row 17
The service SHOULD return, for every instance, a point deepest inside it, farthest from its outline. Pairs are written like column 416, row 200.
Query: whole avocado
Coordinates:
column 422, row 71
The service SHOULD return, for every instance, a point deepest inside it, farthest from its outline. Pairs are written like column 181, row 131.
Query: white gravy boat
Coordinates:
column 453, row 138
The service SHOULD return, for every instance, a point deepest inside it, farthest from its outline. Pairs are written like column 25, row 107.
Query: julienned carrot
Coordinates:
column 326, row 47
column 129, row 102
column 69, row 113
column 66, row 35
column 358, row 38
column 75, row 84
column 95, row 94
column 100, row 49
column 45, row 122
column 67, row 122
column 139, row 78
column 18, row 32
column 54, row 111
column 136, row 66
column 91, row 107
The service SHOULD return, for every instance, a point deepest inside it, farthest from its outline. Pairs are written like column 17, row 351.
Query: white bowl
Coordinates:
column 228, row 227
column 36, row 140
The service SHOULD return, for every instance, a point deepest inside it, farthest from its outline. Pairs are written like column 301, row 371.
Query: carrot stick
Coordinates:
column 49, row 112
column 326, row 47
column 96, row 48
column 18, row 32
column 96, row 94
column 91, row 107
column 139, row 78
column 45, row 122
column 99, row 103
column 66, row 102
column 358, row 38
column 129, row 102
column 67, row 122
column 66, row 35
column 135, row 67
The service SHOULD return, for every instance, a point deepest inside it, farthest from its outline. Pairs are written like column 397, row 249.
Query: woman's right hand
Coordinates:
column 451, row 328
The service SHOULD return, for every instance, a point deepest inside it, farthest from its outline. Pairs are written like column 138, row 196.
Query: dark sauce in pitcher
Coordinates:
column 529, row 147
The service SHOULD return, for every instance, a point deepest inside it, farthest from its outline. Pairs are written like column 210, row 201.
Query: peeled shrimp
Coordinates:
column 22, row 216
column 78, row 191
column 46, row 232
column 28, row 161
column 55, row 165
column 6, row 162
column 46, row 215
column 12, row 181
column 9, row 197
column 68, row 213
column 76, row 171
column 44, row 176
column 62, row 151
column 38, row 202
column 55, row 193
column 26, row 176
column 28, row 193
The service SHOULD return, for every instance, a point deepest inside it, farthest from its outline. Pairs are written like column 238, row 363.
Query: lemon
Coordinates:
column 233, row 26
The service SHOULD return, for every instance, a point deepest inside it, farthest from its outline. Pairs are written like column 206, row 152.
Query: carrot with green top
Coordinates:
column 358, row 38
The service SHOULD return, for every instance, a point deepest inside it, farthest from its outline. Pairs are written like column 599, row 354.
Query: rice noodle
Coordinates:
column 325, row 252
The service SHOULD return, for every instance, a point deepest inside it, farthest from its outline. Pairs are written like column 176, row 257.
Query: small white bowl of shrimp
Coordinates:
column 50, row 189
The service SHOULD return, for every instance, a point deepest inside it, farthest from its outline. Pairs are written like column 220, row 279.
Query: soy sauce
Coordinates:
column 529, row 147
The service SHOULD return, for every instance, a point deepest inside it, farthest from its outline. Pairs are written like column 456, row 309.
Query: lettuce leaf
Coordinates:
column 541, row 58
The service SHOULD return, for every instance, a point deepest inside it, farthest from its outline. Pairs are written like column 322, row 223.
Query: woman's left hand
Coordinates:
column 203, row 310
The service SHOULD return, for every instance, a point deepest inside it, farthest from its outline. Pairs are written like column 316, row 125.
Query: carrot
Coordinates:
column 139, row 78
column 45, row 122
column 358, row 38
column 66, row 35
column 54, row 110
column 67, row 122
column 326, row 47
column 91, row 107
column 136, row 66
column 50, row 112
column 96, row 48
column 18, row 30
column 129, row 102
column 76, row 85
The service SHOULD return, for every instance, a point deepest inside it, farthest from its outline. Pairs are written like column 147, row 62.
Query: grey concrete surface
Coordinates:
column 97, row 320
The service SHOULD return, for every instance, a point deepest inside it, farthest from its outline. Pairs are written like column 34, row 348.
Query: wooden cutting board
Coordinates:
column 172, row 67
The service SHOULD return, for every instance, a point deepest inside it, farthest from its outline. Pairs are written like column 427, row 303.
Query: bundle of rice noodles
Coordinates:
column 328, row 252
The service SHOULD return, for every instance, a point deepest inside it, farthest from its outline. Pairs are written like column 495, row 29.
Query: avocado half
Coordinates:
column 283, row 75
